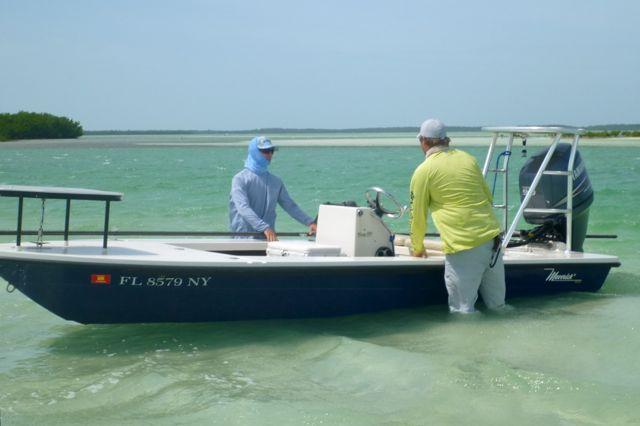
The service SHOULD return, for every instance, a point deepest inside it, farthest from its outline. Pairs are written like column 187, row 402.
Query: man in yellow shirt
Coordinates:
column 450, row 184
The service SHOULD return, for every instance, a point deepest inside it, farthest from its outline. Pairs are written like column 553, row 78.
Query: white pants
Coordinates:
column 468, row 271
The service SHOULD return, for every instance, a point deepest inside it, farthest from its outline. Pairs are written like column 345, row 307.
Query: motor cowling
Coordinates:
column 551, row 192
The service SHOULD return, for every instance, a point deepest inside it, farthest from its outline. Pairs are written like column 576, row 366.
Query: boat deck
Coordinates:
column 232, row 252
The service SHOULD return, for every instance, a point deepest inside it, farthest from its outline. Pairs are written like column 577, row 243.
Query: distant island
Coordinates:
column 597, row 131
column 33, row 125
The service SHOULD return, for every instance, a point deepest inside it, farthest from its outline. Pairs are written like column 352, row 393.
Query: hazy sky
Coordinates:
column 207, row 64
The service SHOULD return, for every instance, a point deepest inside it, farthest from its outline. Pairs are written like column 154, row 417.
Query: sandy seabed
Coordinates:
column 364, row 142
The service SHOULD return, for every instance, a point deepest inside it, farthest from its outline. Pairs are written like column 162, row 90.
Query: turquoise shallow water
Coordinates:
column 567, row 359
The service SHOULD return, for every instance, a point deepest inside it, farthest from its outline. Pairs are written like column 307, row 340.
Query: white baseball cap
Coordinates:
column 264, row 143
column 433, row 129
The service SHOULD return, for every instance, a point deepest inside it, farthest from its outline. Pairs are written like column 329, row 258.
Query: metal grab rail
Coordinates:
column 214, row 233
column 503, row 170
column 557, row 133
column 49, row 192
column 532, row 188
column 160, row 233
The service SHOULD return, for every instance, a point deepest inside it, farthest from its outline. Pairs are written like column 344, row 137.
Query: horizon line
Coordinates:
column 338, row 130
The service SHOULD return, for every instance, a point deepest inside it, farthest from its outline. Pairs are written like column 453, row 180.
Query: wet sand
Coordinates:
column 358, row 140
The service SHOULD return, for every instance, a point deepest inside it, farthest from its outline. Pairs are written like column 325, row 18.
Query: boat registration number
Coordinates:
column 164, row 281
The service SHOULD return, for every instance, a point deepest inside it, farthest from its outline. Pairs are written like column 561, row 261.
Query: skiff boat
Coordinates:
column 354, row 265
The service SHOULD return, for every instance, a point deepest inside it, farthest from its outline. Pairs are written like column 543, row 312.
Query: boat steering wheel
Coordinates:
column 376, row 204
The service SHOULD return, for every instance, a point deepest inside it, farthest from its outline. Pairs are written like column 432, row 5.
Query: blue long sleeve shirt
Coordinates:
column 253, row 200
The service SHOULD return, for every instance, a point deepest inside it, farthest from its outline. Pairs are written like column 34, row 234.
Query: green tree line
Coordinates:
column 611, row 133
column 33, row 125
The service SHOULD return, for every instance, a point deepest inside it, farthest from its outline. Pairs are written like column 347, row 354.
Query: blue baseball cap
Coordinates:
column 264, row 143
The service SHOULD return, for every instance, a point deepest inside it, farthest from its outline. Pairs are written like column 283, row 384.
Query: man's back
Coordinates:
column 454, row 189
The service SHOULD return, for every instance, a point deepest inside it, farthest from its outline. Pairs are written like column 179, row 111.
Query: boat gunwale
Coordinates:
column 227, row 260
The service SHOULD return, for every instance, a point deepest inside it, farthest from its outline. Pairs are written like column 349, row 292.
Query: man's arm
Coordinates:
column 290, row 206
column 485, row 186
column 419, row 196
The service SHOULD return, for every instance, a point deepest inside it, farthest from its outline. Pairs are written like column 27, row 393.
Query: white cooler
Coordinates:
column 300, row 249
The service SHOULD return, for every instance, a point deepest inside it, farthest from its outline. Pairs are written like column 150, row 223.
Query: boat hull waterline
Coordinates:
column 114, row 293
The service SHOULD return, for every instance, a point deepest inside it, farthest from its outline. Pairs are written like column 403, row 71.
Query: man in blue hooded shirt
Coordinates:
column 255, row 193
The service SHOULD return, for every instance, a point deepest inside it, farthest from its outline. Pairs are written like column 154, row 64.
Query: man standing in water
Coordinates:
column 450, row 183
column 255, row 193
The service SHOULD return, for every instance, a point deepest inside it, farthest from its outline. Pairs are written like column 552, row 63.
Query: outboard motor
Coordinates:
column 551, row 193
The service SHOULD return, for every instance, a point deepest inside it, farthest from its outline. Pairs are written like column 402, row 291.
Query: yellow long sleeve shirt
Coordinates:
column 450, row 184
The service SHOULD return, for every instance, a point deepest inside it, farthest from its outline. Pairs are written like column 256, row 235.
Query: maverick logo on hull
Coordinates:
column 556, row 276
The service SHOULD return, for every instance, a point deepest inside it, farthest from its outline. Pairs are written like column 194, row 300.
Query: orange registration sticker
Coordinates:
column 100, row 278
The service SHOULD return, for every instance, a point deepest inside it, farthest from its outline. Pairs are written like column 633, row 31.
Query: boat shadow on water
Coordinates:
column 136, row 339
column 621, row 283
